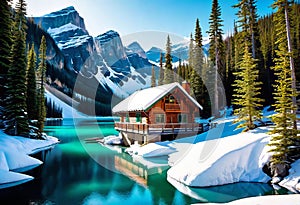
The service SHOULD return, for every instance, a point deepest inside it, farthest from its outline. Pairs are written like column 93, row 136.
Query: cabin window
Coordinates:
column 182, row 118
column 159, row 118
column 171, row 99
column 138, row 117
column 127, row 117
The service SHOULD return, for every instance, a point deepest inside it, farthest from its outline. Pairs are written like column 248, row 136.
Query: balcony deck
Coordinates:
column 162, row 128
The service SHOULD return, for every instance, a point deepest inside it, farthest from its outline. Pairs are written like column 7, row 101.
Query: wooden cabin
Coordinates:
column 156, row 114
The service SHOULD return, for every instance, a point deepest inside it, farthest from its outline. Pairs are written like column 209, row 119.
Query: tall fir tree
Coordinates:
column 248, row 97
column 253, row 28
column 295, row 30
column 285, row 142
column 247, row 91
column 230, row 67
column 16, row 109
column 183, row 70
column 216, row 52
column 40, row 85
column 179, row 72
column 266, row 31
column 168, row 73
column 31, row 85
column 190, row 59
column 285, row 5
column 161, row 70
column 153, row 77
column 197, row 65
column 5, row 45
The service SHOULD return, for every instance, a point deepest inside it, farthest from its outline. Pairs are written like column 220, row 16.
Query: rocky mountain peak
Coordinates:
column 60, row 18
column 107, row 36
column 135, row 47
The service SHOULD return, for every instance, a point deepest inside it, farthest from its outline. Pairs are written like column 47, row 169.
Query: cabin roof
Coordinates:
column 142, row 100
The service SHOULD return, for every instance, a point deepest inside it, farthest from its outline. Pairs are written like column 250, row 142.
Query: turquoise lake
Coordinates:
column 76, row 172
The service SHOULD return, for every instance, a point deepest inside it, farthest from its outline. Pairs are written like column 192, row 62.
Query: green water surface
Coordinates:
column 76, row 172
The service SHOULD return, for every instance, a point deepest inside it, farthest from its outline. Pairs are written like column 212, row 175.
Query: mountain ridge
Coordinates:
column 101, row 64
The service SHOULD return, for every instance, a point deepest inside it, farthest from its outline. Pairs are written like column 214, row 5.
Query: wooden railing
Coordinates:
column 162, row 127
column 172, row 107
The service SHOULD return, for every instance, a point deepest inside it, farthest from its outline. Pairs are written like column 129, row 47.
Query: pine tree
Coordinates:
column 247, row 91
column 197, row 64
column 295, row 30
column 40, row 85
column 31, row 85
column 161, row 70
column 179, row 72
column 229, row 53
column 153, row 78
column 266, row 31
column 5, row 45
column 183, row 70
column 284, row 140
column 216, row 50
column 253, row 28
column 168, row 74
column 285, row 5
column 16, row 109
column 190, row 59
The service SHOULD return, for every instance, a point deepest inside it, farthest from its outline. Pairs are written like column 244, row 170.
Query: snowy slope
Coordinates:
column 67, row 110
column 127, row 86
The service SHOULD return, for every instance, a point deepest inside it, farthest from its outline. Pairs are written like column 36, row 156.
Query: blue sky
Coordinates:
column 131, row 16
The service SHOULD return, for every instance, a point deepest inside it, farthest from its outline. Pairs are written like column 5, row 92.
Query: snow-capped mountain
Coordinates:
column 61, row 18
column 101, row 62
column 178, row 51
column 138, row 58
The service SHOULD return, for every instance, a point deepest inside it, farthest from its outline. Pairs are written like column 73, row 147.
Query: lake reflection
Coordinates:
column 75, row 172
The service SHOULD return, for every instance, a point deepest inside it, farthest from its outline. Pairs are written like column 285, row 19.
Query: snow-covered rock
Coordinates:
column 292, row 181
column 151, row 150
column 9, row 179
column 14, row 157
column 112, row 140
column 233, row 159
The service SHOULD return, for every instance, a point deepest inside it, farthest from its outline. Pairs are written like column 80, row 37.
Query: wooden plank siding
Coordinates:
column 173, row 107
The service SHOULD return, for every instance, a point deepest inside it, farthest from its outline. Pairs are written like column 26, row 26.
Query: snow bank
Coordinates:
column 112, row 140
column 292, row 182
column 222, row 161
column 9, row 179
column 150, row 150
column 14, row 157
column 266, row 200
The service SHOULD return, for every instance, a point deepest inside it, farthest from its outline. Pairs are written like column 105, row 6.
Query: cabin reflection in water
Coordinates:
column 160, row 113
column 140, row 169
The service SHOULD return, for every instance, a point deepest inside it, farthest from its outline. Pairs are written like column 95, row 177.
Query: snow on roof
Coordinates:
column 142, row 100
